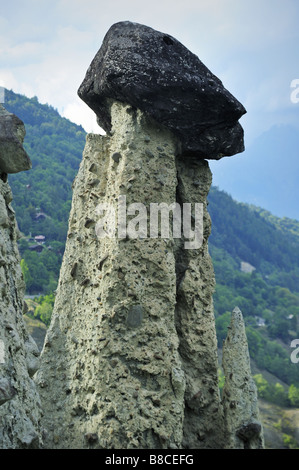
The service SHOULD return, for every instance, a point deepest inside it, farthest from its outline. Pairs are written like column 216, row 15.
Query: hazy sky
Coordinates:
column 46, row 47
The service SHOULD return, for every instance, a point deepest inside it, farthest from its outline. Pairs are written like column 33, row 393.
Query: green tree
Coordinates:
column 279, row 395
column 290, row 441
column 44, row 310
column 25, row 271
column 293, row 395
column 221, row 379
column 222, row 324
column 262, row 386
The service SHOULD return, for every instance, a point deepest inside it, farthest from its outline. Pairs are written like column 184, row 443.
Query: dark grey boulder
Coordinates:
column 154, row 72
column 13, row 157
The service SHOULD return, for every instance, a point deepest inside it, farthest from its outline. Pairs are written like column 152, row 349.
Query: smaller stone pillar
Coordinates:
column 195, row 322
column 240, row 403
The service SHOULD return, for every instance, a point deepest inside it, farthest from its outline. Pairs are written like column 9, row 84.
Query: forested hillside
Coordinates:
column 42, row 196
column 268, row 294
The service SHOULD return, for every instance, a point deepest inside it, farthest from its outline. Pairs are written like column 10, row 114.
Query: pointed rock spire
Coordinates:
column 240, row 403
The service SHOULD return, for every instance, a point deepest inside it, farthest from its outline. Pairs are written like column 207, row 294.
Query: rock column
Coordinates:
column 20, row 410
column 240, row 404
column 203, row 424
column 111, row 373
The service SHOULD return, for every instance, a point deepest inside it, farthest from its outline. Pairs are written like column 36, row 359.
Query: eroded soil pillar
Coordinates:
column 111, row 374
column 203, row 423
column 19, row 401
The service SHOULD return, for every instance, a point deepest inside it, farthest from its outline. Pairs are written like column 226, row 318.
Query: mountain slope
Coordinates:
column 251, row 235
column 55, row 146
column 42, row 196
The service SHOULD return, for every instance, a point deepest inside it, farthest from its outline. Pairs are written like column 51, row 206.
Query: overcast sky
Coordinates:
column 46, row 47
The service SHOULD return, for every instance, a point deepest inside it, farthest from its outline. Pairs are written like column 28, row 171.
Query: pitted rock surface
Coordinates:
column 122, row 365
column 20, row 408
column 239, row 397
column 13, row 157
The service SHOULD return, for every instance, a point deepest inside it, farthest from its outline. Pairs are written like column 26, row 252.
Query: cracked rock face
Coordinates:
column 240, row 403
column 155, row 73
column 19, row 356
column 19, row 401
